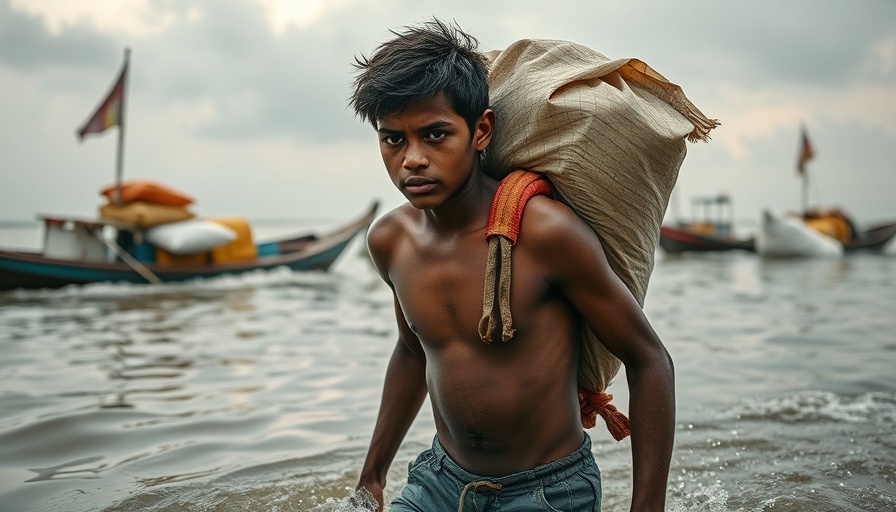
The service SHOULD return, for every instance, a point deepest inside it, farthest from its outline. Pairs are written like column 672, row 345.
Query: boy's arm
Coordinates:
column 575, row 262
column 404, row 388
column 403, row 394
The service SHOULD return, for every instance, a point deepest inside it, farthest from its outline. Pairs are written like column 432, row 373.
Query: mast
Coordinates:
column 805, row 192
column 119, row 154
column 806, row 153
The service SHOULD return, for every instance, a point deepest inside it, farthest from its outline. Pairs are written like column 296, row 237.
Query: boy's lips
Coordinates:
column 418, row 185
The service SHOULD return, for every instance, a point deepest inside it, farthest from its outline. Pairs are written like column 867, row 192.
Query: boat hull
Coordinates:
column 872, row 239
column 676, row 241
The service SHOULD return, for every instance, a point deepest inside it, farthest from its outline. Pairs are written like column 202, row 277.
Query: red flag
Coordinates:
column 806, row 153
column 111, row 111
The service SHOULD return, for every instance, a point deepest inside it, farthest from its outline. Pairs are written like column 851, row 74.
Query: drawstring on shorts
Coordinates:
column 476, row 486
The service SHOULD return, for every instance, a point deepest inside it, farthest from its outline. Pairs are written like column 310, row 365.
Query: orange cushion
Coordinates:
column 147, row 192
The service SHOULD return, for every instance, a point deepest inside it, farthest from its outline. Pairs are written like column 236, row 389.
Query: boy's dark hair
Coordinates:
column 419, row 63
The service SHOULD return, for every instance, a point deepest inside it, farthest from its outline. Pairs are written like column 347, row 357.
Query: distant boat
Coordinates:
column 817, row 231
column 82, row 253
column 125, row 243
column 714, row 232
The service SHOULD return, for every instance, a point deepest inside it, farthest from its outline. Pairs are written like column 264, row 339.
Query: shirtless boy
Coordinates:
column 507, row 415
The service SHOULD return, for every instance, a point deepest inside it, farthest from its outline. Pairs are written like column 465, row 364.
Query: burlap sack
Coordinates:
column 610, row 136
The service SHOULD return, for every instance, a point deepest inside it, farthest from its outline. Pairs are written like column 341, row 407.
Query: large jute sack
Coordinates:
column 610, row 136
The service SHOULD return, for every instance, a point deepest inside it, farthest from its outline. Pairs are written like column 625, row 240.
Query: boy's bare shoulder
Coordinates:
column 386, row 231
column 395, row 222
column 548, row 221
column 557, row 236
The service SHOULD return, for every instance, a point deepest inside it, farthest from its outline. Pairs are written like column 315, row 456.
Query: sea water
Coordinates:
column 260, row 392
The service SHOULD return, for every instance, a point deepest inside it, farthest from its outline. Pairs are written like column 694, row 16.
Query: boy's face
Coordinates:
column 429, row 152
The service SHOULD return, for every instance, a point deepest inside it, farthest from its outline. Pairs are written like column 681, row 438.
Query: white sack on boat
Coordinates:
column 190, row 236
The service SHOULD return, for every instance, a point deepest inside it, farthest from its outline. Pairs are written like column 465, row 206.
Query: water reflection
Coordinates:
column 260, row 393
column 63, row 470
column 804, row 273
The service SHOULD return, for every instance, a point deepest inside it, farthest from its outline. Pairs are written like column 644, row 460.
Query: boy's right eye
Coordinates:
column 392, row 140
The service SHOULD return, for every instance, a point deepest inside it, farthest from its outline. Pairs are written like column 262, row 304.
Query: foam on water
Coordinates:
column 820, row 406
column 276, row 277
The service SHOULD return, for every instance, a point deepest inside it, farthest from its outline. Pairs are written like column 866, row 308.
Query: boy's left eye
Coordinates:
column 436, row 135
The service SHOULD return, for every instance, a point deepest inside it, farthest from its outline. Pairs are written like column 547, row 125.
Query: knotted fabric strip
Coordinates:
column 592, row 403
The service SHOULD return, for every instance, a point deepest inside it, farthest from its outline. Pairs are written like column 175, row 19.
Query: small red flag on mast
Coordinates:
column 111, row 111
column 806, row 153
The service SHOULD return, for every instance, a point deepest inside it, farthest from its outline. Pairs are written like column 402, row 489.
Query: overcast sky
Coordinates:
column 242, row 103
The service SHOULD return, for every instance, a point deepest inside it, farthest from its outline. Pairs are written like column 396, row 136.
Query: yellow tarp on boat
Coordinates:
column 242, row 248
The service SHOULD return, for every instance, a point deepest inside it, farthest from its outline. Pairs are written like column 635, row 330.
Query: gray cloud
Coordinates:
column 254, row 86
column 296, row 83
column 28, row 46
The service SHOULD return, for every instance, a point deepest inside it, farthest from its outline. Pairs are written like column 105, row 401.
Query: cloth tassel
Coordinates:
column 674, row 96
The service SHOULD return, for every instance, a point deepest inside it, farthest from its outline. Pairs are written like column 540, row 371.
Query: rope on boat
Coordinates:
column 127, row 258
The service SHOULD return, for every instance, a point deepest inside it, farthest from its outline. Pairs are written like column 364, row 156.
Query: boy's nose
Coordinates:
column 415, row 157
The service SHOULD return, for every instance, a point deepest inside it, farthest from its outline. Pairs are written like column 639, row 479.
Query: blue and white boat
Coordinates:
column 81, row 251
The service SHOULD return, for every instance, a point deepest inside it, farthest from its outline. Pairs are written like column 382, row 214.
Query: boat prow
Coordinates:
column 875, row 238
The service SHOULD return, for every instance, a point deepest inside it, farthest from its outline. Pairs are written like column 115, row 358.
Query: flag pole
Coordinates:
column 805, row 191
column 119, row 156
column 806, row 153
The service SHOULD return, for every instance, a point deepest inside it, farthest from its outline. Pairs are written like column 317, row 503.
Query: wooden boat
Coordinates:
column 117, row 247
column 819, row 232
column 713, row 232
column 98, row 258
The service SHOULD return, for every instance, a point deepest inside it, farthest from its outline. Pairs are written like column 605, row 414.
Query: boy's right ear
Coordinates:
column 485, row 127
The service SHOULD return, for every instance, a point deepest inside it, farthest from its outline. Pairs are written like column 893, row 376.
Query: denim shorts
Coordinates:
column 436, row 483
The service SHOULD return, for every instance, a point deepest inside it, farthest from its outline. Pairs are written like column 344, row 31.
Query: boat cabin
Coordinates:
column 710, row 216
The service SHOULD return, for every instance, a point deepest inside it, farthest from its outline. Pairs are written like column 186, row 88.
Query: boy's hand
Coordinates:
column 368, row 497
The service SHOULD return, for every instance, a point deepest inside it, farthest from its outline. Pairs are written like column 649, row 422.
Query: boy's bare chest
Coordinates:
column 440, row 288
column 441, row 284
